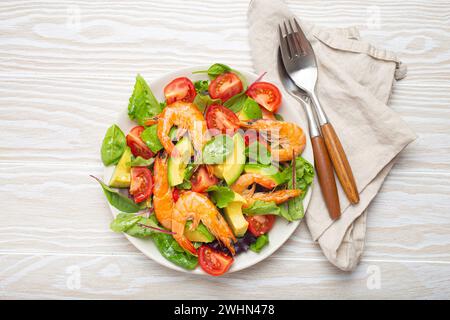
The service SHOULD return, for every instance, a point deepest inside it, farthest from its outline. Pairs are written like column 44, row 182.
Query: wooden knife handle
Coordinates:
column 340, row 163
column 325, row 174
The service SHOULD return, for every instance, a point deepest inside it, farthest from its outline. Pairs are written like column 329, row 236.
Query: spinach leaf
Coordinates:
column 203, row 101
column 236, row 102
column 262, row 207
column 113, row 145
column 118, row 200
column 123, row 222
column 141, row 162
column 215, row 70
column 143, row 104
column 150, row 137
column 171, row 250
column 166, row 244
column 260, row 243
column 279, row 117
column 217, row 149
column 201, row 86
column 221, row 195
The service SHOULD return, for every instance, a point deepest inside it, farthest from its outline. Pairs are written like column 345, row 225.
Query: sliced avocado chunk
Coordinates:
column 233, row 166
column 176, row 166
column 121, row 177
column 269, row 171
column 235, row 218
column 250, row 110
column 201, row 234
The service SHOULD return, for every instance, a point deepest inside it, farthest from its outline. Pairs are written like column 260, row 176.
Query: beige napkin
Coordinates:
column 355, row 81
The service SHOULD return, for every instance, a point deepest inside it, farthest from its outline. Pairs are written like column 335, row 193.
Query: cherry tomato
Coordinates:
column 141, row 183
column 266, row 94
column 260, row 224
column 202, row 180
column 214, row 262
column 221, row 118
column 180, row 89
column 137, row 146
column 175, row 194
column 267, row 114
column 225, row 86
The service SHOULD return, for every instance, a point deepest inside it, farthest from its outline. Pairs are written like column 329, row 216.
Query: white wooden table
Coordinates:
column 67, row 68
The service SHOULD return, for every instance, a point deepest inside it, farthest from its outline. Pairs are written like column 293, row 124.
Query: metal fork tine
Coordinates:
column 306, row 46
column 283, row 45
column 297, row 43
column 291, row 42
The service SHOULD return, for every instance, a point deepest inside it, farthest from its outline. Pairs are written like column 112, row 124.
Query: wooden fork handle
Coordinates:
column 325, row 174
column 340, row 163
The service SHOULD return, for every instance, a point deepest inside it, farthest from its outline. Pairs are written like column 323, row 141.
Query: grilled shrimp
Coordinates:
column 186, row 116
column 196, row 206
column 249, row 179
column 162, row 194
column 278, row 196
column 289, row 136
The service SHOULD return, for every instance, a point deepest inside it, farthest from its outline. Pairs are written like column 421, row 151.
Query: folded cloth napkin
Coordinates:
column 354, row 85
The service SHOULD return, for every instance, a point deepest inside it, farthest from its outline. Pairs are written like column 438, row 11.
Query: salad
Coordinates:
column 206, row 173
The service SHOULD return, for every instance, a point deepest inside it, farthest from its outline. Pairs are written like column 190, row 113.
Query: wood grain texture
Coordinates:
column 67, row 68
column 340, row 163
column 325, row 173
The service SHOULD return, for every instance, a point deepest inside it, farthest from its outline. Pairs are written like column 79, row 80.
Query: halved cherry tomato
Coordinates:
column 180, row 89
column 267, row 115
column 266, row 94
column 141, row 183
column 214, row 262
column 175, row 194
column 221, row 118
column 260, row 224
column 202, row 180
column 225, row 86
column 137, row 146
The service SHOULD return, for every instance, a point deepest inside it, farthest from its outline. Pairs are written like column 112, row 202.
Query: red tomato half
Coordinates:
column 259, row 225
column 214, row 262
column 225, row 86
column 175, row 194
column 266, row 94
column 180, row 89
column 137, row 146
column 202, row 180
column 221, row 118
column 141, row 183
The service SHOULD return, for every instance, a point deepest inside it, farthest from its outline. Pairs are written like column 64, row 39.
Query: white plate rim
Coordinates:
column 243, row 260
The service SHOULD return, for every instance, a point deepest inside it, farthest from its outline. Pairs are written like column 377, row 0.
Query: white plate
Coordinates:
column 281, row 230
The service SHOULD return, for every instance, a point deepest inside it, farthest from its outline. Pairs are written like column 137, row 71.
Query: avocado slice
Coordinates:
column 201, row 234
column 121, row 177
column 176, row 166
column 269, row 171
column 235, row 217
column 233, row 166
column 250, row 110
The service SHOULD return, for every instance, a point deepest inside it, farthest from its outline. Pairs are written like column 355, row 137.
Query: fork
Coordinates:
column 300, row 63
